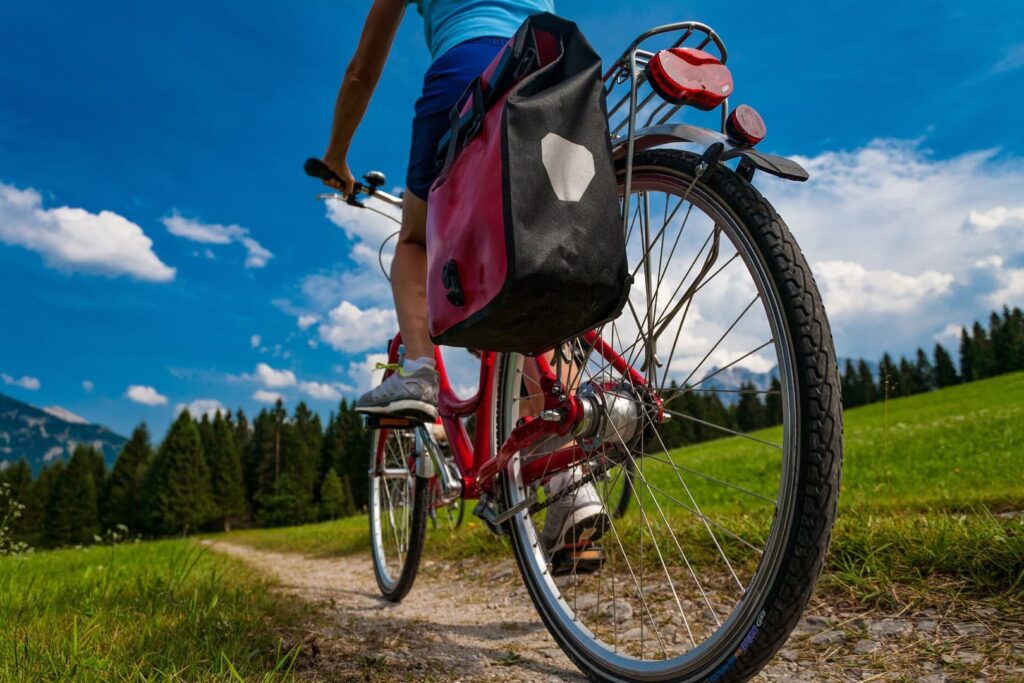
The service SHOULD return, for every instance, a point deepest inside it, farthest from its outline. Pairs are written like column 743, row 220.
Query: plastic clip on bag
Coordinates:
column 524, row 233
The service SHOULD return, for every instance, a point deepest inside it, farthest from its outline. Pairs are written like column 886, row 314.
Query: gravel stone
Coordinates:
column 890, row 628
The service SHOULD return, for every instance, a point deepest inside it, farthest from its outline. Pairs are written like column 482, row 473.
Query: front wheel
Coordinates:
column 731, row 446
column 398, row 511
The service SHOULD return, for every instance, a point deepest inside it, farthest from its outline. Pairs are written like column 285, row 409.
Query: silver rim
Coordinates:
column 684, row 573
column 391, row 504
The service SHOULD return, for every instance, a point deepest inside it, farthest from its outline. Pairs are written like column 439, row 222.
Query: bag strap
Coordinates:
column 463, row 127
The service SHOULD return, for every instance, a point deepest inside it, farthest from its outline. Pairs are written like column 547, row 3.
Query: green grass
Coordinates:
column 167, row 610
column 923, row 479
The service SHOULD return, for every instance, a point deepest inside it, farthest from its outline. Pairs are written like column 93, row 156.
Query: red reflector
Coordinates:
column 746, row 125
column 685, row 75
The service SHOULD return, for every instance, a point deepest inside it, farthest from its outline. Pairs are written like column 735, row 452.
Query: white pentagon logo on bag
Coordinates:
column 570, row 167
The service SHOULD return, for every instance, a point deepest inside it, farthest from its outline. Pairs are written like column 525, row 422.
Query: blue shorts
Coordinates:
column 444, row 83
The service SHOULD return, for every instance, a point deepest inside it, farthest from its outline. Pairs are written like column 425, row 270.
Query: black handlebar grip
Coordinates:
column 318, row 169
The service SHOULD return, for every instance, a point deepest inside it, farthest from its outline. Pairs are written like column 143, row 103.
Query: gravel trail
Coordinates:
column 449, row 628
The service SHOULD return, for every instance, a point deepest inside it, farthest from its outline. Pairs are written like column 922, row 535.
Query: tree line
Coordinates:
column 214, row 473
column 207, row 474
column 984, row 352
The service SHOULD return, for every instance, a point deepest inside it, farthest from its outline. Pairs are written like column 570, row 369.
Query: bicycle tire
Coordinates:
column 392, row 589
column 748, row 643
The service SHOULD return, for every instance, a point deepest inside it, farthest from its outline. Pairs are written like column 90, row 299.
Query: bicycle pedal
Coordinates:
column 391, row 422
column 577, row 561
column 496, row 522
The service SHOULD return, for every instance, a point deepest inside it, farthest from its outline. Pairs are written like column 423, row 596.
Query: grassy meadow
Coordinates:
column 163, row 610
column 931, row 500
column 928, row 481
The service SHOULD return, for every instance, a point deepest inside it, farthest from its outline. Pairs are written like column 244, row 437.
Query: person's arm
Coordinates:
column 361, row 78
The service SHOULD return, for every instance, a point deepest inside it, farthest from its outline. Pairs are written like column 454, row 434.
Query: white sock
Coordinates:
column 411, row 366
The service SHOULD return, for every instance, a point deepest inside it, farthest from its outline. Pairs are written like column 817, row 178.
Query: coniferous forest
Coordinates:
column 219, row 472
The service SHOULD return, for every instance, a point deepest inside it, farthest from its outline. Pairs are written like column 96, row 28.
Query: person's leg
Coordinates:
column 409, row 279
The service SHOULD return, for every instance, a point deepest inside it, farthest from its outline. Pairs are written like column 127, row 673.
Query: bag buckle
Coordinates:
column 451, row 282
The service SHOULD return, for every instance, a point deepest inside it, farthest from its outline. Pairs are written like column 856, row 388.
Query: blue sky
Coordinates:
column 158, row 124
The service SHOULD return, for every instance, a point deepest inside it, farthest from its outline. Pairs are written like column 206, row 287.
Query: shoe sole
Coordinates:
column 585, row 529
column 419, row 410
column 571, row 561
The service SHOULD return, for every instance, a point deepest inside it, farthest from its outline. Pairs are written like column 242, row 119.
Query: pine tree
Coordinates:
column 19, row 478
column 869, row 390
column 205, row 427
column 943, row 372
column 1001, row 333
column 1016, row 325
column 242, row 433
column 749, row 409
column 983, row 358
column 332, row 496
column 888, row 377
column 225, row 473
column 923, row 371
column 34, row 517
column 967, row 373
column 122, row 493
column 907, row 384
column 333, row 458
column 853, row 394
column 773, row 403
column 177, row 498
column 72, row 516
column 305, row 466
column 356, row 438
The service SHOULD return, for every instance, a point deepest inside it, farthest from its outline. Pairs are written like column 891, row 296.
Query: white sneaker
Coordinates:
column 575, row 520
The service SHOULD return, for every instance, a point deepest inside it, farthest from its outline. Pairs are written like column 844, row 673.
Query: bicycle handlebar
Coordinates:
column 315, row 168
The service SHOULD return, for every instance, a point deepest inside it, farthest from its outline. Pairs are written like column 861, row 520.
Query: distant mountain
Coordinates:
column 42, row 435
column 727, row 381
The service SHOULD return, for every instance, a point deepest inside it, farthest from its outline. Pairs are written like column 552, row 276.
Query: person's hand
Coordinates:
column 340, row 167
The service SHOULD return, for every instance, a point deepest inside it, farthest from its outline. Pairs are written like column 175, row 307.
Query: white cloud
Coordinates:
column 1009, row 281
column 88, row 386
column 214, row 233
column 147, row 396
column 349, row 328
column 849, row 288
column 76, row 240
column 24, row 382
column 364, row 373
column 274, row 379
column 264, row 396
column 894, row 236
column 255, row 341
column 202, row 406
column 365, row 226
column 995, row 218
column 950, row 333
column 321, row 390
column 308, row 320
column 1013, row 59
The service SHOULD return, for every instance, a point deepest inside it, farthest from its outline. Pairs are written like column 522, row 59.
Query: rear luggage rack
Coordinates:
column 626, row 81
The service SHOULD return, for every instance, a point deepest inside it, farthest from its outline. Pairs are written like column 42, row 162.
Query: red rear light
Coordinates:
column 746, row 125
column 685, row 75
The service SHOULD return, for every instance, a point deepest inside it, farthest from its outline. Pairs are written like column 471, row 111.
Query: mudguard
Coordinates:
column 656, row 136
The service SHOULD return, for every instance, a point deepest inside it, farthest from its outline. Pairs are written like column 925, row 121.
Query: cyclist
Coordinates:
column 463, row 37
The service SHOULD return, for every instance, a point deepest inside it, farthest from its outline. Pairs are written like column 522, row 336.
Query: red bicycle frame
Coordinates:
column 475, row 458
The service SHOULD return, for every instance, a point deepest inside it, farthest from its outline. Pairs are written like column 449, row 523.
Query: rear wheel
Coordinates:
column 398, row 511
column 709, row 568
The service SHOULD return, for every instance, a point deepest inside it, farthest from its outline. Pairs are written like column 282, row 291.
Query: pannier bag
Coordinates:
column 525, row 245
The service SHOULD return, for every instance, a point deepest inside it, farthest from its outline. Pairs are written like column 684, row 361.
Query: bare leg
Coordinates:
column 409, row 279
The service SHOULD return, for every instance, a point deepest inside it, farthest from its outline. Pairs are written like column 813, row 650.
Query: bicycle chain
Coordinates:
column 595, row 472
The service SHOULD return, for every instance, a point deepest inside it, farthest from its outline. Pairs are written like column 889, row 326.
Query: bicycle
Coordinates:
column 713, row 558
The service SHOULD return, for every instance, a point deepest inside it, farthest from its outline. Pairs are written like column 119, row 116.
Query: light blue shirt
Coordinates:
column 450, row 22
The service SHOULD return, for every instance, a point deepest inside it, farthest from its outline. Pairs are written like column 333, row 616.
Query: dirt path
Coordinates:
column 445, row 631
